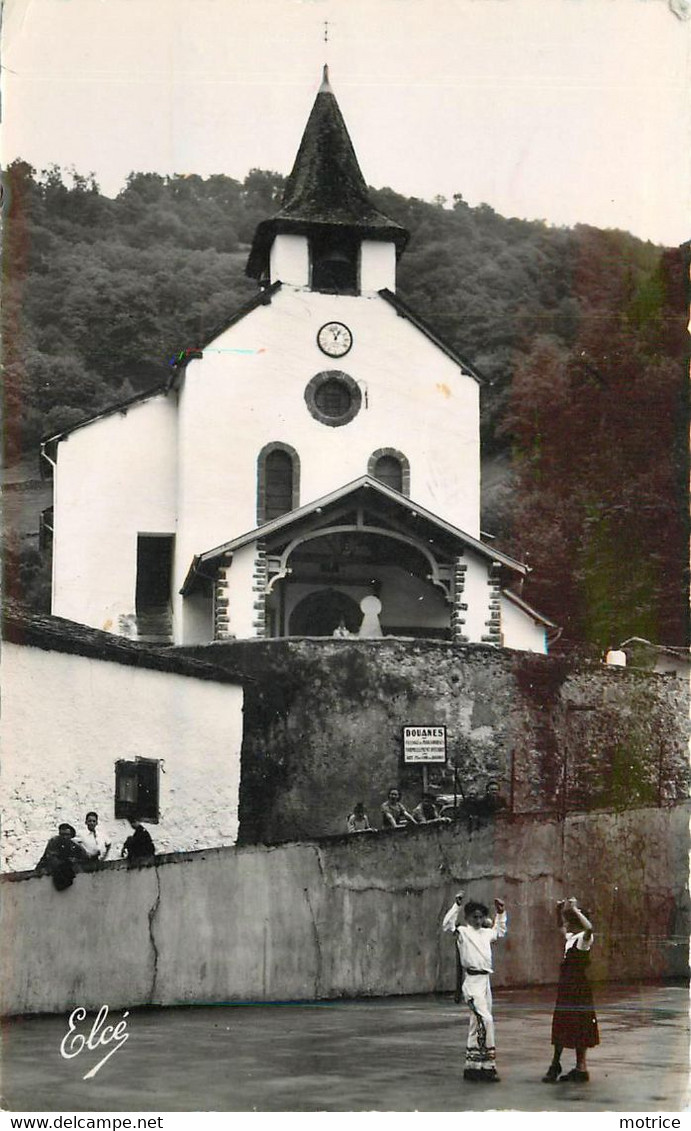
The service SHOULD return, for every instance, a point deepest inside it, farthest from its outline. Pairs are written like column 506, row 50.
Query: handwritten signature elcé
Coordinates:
column 74, row 1042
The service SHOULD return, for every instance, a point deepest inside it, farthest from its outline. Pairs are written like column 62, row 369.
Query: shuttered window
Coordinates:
column 136, row 789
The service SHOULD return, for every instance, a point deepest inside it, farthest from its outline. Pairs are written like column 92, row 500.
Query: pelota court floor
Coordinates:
column 384, row 1054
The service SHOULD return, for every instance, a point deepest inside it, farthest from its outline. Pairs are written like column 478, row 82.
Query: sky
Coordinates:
column 569, row 111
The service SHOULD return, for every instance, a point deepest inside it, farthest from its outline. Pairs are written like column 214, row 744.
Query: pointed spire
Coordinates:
column 325, row 186
column 325, row 88
column 326, row 183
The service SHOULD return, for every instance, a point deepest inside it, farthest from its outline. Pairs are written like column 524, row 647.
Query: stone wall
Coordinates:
column 323, row 722
column 348, row 916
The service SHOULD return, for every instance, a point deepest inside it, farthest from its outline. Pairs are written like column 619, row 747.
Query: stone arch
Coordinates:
column 320, row 612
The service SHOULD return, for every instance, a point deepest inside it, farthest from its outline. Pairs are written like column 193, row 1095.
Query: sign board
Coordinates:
column 423, row 744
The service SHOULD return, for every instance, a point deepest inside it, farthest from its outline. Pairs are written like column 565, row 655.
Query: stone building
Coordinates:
column 313, row 467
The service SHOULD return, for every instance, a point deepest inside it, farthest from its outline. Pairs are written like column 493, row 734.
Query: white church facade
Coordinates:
column 312, row 469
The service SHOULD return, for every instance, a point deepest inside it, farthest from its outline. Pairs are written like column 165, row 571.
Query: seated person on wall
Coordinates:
column 493, row 802
column 393, row 812
column 60, row 856
column 427, row 810
column 465, row 805
column 94, row 846
column 139, row 847
column 358, row 821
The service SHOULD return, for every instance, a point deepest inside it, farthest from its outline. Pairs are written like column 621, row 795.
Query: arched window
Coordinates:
column 391, row 468
column 278, row 481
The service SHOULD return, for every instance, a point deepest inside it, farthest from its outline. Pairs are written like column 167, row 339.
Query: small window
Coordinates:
column 136, row 789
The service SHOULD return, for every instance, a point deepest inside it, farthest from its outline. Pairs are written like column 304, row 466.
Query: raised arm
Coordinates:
column 499, row 927
column 450, row 921
column 587, row 926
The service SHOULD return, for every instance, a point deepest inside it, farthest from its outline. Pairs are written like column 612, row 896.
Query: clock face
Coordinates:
column 334, row 339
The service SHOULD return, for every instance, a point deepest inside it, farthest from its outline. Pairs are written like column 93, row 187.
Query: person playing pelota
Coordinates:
column 474, row 940
column 574, row 1023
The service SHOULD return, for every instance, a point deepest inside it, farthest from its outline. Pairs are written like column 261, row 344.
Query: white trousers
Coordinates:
column 480, row 1052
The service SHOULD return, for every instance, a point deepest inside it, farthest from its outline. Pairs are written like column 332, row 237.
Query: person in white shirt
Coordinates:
column 474, row 940
column 94, row 845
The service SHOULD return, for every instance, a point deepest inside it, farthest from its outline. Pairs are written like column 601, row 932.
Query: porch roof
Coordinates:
column 359, row 490
column 529, row 609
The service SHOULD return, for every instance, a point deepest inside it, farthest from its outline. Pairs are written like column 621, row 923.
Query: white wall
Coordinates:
column 519, row 630
column 198, row 623
column 115, row 478
column 67, row 719
column 377, row 265
column 415, row 399
column 406, row 600
column 289, row 260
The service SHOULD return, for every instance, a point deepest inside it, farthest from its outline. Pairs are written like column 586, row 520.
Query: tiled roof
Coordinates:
column 55, row 634
column 526, row 608
column 367, row 485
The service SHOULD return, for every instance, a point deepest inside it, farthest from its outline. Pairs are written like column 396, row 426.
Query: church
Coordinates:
column 312, row 469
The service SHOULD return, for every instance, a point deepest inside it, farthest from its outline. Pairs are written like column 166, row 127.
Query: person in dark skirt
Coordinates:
column 574, row 1024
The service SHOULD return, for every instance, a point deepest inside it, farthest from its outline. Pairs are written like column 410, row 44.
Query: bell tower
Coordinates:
column 328, row 236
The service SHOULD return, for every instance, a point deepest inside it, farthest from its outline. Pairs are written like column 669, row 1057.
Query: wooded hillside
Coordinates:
column 579, row 333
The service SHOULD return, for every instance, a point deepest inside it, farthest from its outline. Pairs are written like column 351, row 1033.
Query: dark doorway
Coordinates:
column 153, row 587
column 321, row 612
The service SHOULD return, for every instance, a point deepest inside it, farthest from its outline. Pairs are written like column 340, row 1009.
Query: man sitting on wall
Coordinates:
column 91, row 841
column 59, row 857
column 394, row 814
column 493, row 802
column 428, row 810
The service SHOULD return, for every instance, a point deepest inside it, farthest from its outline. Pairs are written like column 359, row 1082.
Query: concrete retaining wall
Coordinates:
column 347, row 916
